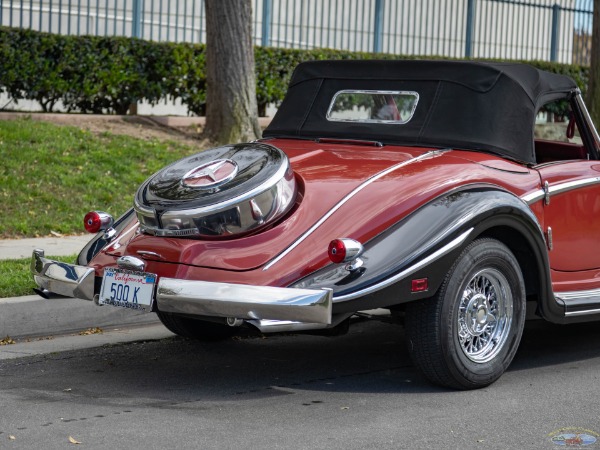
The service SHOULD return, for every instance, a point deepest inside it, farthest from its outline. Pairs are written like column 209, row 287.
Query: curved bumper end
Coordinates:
column 204, row 298
column 61, row 278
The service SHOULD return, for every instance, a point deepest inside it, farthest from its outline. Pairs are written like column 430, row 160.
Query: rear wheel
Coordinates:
column 196, row 329
column 467, row 335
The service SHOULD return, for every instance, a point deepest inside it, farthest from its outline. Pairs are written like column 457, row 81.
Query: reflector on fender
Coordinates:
column 419, row 285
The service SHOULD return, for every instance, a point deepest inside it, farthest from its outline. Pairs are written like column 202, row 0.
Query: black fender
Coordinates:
column 426, row 243
column 98, row 242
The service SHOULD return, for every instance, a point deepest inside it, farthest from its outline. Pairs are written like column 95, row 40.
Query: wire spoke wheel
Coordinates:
column 484, row 315
column 466, row 336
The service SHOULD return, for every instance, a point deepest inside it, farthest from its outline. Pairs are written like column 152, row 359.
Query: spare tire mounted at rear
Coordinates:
column 223, row 192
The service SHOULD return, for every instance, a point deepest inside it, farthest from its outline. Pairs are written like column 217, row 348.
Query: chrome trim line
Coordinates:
column 574, row 295
column 582, row 313
column 570, row 185
column 558, row 188
column 283, row 326
column 61, row 278
column 431, row 154
column 143, row 253
column 243, row 301
column 533, row 197
column 572, row 298
column 457, row 242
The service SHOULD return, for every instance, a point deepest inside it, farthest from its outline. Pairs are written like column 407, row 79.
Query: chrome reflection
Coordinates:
column 204, row 298
column 236, row 190
column 558, row 188
column 61, row 278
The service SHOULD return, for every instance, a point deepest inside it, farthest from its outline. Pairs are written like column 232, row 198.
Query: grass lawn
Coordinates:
column 15, row 279
column 51, row 175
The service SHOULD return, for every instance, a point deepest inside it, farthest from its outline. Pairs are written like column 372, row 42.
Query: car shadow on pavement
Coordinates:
column 371, row 359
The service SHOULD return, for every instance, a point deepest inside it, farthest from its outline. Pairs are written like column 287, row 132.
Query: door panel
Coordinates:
column 573, row 214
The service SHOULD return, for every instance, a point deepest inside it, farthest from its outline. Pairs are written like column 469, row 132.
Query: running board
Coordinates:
column 579, row 303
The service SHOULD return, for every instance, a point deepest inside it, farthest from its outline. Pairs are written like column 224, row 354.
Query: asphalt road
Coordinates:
column 357, row 391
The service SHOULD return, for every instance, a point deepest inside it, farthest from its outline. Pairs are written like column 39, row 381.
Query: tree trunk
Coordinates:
column 231, row 110
column 593, row 94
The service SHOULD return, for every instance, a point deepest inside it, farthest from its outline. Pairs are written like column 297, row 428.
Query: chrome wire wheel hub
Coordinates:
column 484, row 315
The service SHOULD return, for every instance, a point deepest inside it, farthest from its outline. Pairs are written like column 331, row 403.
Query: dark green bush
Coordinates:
column 108, row 74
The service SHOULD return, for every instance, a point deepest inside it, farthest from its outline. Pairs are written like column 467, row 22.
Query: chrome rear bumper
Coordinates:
column 199, row 298
column 61, row 278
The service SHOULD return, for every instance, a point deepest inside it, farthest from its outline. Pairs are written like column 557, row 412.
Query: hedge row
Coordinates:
column 107, row 74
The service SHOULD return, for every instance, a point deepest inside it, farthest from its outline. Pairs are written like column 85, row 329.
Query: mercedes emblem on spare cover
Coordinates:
column 211, row 174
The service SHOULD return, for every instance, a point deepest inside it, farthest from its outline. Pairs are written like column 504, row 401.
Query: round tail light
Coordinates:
column 96, row 221
column 344, row 250
column 337, row 251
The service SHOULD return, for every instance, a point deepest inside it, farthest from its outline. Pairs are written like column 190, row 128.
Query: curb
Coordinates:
column 33, row 316
column 45, row 346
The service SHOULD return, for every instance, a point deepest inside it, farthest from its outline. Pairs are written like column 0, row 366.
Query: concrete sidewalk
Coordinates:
column 54, row 246
column 32, row 316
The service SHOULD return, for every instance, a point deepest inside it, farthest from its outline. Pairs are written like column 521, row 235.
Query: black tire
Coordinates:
column 467, row 335
column 201, row 330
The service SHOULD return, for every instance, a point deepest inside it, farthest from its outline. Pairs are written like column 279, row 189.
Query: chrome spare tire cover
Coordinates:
column 223, row 192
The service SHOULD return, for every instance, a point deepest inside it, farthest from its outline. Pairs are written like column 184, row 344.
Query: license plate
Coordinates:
column 127, row 289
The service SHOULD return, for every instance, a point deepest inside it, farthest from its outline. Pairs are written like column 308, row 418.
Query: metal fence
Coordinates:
column 556, row 30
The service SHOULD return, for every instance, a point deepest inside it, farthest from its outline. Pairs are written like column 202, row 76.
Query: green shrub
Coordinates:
column 107, row 74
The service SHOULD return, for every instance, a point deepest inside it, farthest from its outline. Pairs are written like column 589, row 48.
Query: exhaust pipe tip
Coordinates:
column 45, row 293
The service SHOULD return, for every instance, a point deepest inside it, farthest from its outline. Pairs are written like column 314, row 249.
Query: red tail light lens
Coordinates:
column 95, row 221
column 337, row 251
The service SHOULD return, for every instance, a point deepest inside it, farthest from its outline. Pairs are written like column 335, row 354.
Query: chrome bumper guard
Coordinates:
column 61, row 278
column 243, row 301
column 200, row 298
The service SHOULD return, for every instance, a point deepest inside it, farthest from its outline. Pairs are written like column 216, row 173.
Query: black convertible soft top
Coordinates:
column 462, row 104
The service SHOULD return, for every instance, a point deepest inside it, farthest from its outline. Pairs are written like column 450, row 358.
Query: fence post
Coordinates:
column 469, row 28
column 378, row 27
column 136, row 20
column 555, row 30
column 266, row 23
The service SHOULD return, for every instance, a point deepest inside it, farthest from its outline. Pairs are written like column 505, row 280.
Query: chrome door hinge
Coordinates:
column 546, row 193
column 549, row 238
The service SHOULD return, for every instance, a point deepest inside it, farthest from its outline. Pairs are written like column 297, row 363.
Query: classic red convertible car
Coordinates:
column 456, row 195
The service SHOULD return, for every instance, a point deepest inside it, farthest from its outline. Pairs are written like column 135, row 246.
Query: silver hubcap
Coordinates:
column 484, row 315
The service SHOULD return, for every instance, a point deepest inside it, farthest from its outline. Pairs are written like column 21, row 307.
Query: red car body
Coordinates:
column 449, row 212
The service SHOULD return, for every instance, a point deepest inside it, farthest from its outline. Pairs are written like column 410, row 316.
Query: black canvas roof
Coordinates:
column 470, row 105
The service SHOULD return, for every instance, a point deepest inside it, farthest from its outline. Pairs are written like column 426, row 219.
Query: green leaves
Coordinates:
column 107, row 74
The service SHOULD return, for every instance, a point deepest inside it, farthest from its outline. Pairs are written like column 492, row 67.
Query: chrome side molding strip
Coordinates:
column 356, row 190
column 580, row 303
column 558, row 188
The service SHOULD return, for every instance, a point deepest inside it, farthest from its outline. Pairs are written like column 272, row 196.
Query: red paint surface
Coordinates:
column 329, row 172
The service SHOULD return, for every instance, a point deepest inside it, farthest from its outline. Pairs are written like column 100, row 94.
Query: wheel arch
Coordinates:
column 474, row 211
